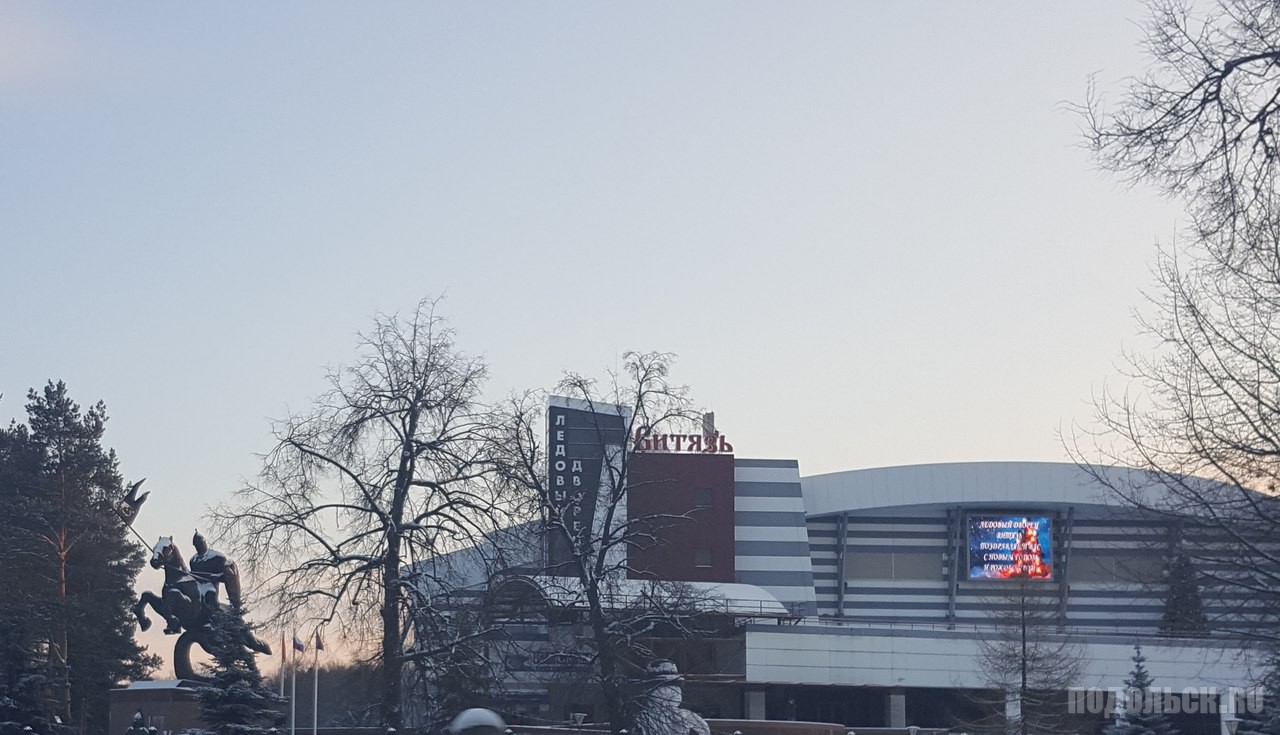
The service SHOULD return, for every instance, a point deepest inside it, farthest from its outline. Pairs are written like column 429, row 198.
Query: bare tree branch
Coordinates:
column 637, row 402
column 390, row 467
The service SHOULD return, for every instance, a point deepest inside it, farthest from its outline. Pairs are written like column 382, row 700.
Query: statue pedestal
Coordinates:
column 168, row 705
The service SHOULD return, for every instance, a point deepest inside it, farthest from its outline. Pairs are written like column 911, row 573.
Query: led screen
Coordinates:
column 1010, row 547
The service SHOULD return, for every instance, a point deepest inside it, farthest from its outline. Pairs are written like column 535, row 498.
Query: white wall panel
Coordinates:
column 765, row 474
column 770, row 533
column 949, row 660
column 783, row 505
column 773, row 563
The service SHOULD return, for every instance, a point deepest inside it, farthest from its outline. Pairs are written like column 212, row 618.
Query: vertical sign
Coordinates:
column 578, row 442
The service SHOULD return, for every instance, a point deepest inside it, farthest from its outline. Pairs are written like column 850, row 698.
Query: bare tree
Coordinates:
column 389, row 468
column 590, row 533
column 1200, row 420
column 462, row 672
column 1200, row 124
column 1199, row 416
column 1028, row 665
column 452, row 618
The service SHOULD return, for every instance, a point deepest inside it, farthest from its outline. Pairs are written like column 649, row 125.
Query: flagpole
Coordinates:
column 315, row 690
column 293, row 692
column 284, row 662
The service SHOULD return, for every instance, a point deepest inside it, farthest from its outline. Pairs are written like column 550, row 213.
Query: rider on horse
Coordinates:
column 189, row 599
column 211, row 567
column 179, row 600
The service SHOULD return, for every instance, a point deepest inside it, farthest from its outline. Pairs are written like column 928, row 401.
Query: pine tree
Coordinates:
column 1183, row 608
column 236, row 702
column 1142, row 715
column 73, row 566
column 24, row 680
column 24, row 673
column 1261, row 716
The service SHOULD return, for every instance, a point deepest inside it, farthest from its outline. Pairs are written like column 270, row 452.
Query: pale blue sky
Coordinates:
column 866, row 228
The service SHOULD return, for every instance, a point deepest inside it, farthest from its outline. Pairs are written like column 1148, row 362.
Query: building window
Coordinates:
column 920, row 563
column 702, row 497
column 702, row 557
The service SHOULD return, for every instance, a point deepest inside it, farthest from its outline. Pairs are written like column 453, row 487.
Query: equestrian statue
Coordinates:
column 189, row 599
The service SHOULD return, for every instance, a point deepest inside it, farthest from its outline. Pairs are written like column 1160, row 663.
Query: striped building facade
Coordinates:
column 771, row 535
column 869, row 611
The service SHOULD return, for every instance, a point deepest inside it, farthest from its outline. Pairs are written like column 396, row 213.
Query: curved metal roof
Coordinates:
column 1042, row 484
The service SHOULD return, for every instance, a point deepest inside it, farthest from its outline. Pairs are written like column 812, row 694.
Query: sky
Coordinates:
column 868, row 230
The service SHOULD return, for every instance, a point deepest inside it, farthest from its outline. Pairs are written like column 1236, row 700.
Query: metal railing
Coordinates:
column 986, row 626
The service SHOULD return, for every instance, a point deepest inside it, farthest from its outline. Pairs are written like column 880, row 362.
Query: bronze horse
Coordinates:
column 187, row 603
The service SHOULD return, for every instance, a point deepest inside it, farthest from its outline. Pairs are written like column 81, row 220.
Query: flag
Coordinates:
column 319, row 642
column 298, row 645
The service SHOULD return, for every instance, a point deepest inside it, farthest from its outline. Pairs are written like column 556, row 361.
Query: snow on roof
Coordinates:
column 732, row 598
column 160, row 684
column 475, row 565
